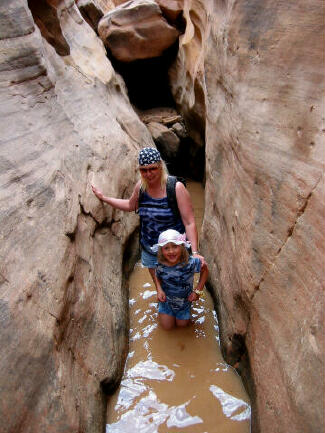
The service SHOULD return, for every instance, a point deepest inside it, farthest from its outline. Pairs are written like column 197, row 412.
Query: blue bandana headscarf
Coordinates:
column 149, row 155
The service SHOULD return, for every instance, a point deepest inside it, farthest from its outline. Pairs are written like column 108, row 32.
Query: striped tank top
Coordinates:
column 155, row 217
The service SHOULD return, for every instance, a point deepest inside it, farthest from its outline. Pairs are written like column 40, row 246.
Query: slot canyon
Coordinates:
column 232, row 95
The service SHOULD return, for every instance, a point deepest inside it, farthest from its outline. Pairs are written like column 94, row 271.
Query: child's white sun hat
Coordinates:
column 172, row 236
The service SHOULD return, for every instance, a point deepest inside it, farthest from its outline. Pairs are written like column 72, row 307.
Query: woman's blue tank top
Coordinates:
column 156, row 216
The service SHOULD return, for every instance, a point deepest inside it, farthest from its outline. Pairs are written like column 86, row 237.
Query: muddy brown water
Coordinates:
column 176, row 381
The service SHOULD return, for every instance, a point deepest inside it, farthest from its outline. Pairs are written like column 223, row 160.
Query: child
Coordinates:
column 175, row 273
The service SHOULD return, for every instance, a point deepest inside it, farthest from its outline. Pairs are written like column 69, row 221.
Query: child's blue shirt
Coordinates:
column 177, row 281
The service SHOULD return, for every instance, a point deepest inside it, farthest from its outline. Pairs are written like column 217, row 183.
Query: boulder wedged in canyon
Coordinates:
column 65, row 123
column 136, row 30
column 252, row 74
column 171, row 9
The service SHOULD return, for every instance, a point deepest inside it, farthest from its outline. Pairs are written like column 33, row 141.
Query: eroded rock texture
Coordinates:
column 251, row 74
column 65, row 123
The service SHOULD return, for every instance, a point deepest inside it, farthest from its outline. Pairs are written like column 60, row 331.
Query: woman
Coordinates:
column 155, row 215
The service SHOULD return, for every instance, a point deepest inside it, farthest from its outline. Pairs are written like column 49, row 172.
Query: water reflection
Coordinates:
column 231, row 405
column 149, row 413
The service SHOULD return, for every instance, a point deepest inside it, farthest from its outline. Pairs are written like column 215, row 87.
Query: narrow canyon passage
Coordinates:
column 176, row 381
column 232, row 94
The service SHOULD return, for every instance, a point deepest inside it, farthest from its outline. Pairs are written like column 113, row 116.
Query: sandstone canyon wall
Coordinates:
column 252, row 73
column 249, row 82
column 65, row 123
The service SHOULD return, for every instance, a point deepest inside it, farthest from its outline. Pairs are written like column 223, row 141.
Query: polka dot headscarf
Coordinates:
column 149, row 155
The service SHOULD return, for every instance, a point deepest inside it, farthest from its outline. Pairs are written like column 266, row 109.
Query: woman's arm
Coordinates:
column 203, row 278
column 185, row 207
column 127, row 205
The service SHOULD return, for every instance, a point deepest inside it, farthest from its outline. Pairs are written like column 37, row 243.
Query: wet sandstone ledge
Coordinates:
column 248, row 83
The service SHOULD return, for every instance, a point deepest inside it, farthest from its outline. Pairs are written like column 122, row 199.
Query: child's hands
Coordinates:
column 161, row 295
column 193, row 297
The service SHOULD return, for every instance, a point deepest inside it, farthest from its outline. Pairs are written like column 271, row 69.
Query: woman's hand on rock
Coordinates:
column 97, row 192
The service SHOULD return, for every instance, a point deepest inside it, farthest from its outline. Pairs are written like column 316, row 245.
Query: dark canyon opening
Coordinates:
column 147, row 79
column 148, row 86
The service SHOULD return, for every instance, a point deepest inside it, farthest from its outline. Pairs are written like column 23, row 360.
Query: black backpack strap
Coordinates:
column 171, row 195
column 140, row 196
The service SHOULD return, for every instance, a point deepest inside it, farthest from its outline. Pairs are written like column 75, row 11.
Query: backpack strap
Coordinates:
column 140, row 196
column 171, row 195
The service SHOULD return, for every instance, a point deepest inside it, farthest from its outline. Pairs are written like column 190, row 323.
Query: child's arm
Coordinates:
column 160, row 293
column 203, row 278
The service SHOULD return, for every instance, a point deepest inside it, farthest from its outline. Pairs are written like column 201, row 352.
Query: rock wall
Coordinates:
column 65, row 123
column 251, row 73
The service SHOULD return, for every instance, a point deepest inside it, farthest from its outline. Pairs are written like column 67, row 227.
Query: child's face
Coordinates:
column 171, row 253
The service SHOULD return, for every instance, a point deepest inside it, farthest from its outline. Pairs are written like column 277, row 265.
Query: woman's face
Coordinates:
column 172, row 253
column 151, row 172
